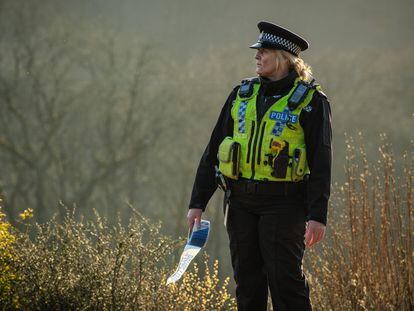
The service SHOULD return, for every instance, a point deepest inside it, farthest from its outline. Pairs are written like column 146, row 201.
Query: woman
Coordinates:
column 272, row 144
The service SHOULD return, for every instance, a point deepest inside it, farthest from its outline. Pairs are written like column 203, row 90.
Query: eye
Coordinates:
column 264, row 52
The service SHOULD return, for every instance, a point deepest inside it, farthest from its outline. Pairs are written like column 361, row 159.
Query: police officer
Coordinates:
column 272, row 144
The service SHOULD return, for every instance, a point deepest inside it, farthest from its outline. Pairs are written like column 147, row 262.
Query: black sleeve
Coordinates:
column 316, row 123
column 205, row 182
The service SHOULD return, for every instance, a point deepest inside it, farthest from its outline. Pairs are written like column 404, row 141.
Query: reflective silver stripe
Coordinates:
column 241, row 115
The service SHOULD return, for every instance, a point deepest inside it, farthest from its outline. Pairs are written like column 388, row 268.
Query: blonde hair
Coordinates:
column 303, row 70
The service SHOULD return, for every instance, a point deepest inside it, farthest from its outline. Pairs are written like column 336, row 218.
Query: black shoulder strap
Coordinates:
column 251, row 80
column 246, row 87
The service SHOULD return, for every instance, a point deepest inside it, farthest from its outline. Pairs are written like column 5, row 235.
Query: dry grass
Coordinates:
column 367, row 261
column 78, row 265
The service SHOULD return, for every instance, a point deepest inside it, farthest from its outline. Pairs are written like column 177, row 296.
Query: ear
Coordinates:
column 285, row 58
column 277, row 61
column 280, row 58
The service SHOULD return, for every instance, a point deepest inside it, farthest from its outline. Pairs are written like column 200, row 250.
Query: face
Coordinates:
column 266, row 62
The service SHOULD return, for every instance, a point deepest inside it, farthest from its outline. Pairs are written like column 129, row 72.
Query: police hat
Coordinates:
column 276, row 37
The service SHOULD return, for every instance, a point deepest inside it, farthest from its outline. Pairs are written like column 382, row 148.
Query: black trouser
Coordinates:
column 267, row 245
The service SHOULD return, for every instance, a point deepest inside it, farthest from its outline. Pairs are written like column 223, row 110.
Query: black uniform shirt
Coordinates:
column 316, row 123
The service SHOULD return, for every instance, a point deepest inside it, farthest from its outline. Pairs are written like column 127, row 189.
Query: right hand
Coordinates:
column 194, row 216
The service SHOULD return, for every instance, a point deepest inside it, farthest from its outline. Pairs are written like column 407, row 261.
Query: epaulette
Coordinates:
column 319, row 90
column 316, row 86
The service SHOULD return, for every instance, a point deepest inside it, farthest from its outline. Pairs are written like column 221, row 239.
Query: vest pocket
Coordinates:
column 280, row 162
column 298, row 164
column 229, row 158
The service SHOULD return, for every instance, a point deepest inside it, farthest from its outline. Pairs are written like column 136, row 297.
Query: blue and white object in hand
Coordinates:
column 197, row 238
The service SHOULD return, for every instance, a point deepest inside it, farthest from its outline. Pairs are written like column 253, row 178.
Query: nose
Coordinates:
column 257, row 56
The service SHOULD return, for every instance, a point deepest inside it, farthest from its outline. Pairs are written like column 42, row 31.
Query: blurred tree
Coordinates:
column 75, row 115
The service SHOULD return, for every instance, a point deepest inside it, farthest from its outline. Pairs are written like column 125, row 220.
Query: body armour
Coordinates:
column 270, row 150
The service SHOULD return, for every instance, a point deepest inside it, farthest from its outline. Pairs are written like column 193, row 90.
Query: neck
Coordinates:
column 280, row 74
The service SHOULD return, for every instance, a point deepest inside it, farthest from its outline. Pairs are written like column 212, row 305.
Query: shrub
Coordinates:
column 367, row 262
column 7, row 273
column 89, row 266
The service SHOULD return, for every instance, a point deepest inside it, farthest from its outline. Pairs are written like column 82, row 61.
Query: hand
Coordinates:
column 314, row 232
column 194, row 216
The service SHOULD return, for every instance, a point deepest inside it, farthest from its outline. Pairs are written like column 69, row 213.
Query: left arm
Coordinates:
column 318, row 139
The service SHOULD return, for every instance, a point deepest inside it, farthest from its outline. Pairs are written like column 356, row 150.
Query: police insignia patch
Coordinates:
column 283, row 116
column 308, row 108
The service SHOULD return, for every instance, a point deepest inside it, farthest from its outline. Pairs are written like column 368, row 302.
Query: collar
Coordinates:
column 276, row 87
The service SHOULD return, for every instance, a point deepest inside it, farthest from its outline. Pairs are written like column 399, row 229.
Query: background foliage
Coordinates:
column 78, row 265
column 106, row 104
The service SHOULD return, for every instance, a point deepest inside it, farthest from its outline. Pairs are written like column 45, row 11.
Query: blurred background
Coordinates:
column 109, row 104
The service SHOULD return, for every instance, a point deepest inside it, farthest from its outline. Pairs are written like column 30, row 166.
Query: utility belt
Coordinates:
column 252, row 187
column 281, row 188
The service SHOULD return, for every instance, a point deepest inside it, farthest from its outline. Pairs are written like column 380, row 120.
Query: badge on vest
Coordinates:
column 283, row 116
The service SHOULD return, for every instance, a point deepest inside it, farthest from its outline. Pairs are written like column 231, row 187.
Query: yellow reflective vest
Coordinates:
column 270, row 150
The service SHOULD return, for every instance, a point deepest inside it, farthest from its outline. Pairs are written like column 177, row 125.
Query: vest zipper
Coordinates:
column 260, row 142
column 249, row 147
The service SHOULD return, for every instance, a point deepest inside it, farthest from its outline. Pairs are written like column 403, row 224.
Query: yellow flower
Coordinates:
column 28, row 213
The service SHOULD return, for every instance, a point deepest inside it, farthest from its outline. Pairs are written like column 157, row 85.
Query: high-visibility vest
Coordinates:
column 270, row 150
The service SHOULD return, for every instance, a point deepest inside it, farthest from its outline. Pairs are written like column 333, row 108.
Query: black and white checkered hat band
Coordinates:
column 290, row 46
